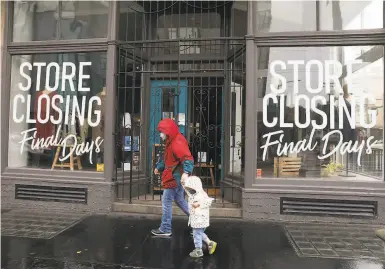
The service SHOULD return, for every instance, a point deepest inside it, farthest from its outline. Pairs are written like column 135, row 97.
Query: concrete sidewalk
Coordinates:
column 122, row 241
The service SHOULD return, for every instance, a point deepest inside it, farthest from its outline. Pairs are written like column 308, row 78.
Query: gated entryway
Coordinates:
column 193, row 80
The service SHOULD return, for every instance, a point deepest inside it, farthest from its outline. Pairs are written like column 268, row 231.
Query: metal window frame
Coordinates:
column 107, row 45
column 293, row 39
column 5, row 80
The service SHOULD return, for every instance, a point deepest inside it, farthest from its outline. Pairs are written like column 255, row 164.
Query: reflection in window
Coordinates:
column 39, row 20
column 35, row 20
column 57, row 111
column 334, row 99
column 84, row 19
column 271, row 16
column 351, row 15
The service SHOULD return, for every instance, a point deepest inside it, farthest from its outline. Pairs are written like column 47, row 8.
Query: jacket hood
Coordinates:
column 168, row 127
column 194, row 183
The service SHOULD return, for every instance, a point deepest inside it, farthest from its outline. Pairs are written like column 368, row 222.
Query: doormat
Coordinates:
column 335, row 241
column 37, row 224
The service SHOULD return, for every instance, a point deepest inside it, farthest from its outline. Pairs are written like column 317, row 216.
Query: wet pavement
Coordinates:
column 104, row 242
column 44, row 225
column 335, row 241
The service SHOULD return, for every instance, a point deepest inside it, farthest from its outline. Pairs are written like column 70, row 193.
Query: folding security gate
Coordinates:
column 156, row 81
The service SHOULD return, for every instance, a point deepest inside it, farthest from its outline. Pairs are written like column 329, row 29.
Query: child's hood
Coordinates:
column 194, row 183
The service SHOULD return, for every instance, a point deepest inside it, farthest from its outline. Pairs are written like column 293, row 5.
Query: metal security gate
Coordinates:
column 155, row 81
column 178, row 71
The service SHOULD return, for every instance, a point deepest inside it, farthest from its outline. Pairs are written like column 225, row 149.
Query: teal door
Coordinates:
column 168, row 100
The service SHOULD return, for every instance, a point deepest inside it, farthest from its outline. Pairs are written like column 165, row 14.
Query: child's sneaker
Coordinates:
column 196, row 253
column 212, row 247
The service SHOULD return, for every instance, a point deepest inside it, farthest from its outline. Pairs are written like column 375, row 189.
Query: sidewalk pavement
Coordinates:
column 123, row 241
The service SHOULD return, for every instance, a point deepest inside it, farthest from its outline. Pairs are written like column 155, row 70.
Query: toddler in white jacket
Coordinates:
column 199, row 207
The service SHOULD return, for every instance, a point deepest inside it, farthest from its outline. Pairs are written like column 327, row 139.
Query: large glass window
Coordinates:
column 237, row 107
column 57, row 111
column 320, row 112
column 49, row 20
column 272, row 16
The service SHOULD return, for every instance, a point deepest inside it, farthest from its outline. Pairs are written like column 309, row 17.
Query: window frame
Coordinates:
column 320, row 178
column 257, row 40
column 60, row 46
column 7, row 103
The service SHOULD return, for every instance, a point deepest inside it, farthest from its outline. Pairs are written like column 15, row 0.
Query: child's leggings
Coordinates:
column 199, row 236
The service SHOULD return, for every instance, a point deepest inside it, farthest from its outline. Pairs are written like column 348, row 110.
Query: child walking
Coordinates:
column 199, row 219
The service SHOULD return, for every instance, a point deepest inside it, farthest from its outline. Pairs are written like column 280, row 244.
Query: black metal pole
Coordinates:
column 347, row 168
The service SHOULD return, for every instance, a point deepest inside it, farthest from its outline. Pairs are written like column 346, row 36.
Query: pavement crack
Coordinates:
column 136, row 251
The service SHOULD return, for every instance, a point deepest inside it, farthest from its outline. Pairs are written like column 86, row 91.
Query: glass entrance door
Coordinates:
column 168, row 100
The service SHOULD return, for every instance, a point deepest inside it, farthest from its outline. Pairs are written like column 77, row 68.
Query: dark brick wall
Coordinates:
column 266, row 206
column 101, row 195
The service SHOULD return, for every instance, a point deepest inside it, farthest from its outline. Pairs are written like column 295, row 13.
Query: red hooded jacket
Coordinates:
column 176, row 152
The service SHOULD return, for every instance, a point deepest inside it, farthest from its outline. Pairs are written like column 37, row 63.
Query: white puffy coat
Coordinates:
column 200, row 216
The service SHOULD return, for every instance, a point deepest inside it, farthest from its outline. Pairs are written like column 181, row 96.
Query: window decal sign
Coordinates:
column 307, row 109
column 61, row 109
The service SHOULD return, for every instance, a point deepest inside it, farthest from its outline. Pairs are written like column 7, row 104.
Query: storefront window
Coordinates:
column 320, row 112
column 40, row 20
column 272, row 16
column 237, row 106
column 57, row 111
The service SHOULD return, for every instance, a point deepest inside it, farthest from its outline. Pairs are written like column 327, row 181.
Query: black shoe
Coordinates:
column 158, row 232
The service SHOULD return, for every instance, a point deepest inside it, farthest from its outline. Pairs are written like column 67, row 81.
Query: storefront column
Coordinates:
column 250, row 140
column 4, row 83
column 109, row 123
